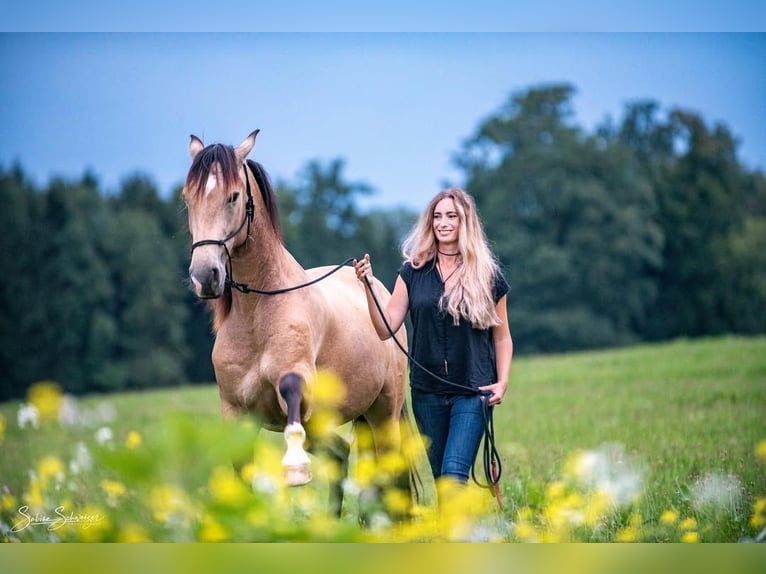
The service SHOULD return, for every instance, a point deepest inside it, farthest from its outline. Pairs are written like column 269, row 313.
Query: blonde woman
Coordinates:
column 455, row 294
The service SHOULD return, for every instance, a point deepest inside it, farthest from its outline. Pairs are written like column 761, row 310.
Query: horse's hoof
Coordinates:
column 298, row 475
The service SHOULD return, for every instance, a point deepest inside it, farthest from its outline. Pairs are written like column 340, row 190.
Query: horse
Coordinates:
column 270, row 342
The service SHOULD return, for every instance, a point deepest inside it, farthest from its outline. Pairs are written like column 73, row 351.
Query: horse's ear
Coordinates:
column 195, row 146
column 243, row 150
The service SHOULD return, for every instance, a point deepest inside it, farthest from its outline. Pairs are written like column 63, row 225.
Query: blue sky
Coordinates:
column 396, row 107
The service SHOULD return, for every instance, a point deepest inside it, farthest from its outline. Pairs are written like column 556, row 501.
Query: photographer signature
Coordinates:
column 59, row 519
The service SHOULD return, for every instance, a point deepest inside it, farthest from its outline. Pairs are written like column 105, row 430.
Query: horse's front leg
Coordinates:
column 296, row 460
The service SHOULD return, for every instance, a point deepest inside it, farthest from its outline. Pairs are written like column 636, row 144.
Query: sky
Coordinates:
column 396, row 107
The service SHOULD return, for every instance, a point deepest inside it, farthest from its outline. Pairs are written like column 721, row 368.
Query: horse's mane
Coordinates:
column 267, row 194
column 196, row 180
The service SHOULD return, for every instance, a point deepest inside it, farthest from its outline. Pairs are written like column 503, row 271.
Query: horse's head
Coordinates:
column 217, row 196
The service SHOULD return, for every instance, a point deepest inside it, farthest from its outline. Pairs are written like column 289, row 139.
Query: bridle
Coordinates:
column 248, row 219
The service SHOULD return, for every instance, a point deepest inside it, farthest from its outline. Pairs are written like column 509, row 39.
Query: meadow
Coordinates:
column 651, row 443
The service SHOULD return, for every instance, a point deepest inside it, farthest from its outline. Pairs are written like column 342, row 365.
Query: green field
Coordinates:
column 678, row 428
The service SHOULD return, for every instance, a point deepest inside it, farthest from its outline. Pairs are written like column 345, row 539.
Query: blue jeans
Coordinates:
column 453, row 426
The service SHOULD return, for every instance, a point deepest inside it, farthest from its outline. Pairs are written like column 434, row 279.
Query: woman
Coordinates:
column 455, row 293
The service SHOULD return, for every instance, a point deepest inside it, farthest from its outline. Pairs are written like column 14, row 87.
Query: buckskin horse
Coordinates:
column 271, row 340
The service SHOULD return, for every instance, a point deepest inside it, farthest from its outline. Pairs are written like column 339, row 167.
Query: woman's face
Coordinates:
column 446, row 224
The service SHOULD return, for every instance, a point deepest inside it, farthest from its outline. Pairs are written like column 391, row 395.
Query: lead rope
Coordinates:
column 493, row 468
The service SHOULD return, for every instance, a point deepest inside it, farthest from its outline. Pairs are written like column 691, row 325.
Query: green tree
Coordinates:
column 702, row 198
column 572, row 220
column 322, row 217
column 148, row 306
column 75, row 288
column 22, row 312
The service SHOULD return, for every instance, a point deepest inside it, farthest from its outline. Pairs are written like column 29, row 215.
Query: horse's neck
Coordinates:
column 264, row 263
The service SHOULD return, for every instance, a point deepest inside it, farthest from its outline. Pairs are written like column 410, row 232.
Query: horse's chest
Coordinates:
column 240, row 367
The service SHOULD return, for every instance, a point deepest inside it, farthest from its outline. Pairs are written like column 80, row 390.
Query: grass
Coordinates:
column 676, row 416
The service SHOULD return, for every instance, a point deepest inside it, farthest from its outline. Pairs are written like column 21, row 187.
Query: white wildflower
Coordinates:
column 82, row 461
column 717, row 491
column 69, row 413
column 104, row 435
column 28, row 415
column 611, row 472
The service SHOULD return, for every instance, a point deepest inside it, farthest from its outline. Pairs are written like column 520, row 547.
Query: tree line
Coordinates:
column 646, row 228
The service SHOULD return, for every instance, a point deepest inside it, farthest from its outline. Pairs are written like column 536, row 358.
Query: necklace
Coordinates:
column 448, row 254
column 445, row 279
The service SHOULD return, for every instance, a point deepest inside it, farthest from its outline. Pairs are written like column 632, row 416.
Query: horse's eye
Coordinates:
column 233, row 197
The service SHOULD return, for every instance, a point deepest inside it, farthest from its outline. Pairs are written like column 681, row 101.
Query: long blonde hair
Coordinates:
column 470, row 297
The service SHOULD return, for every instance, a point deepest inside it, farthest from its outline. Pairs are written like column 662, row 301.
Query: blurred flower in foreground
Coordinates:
column 170, row 505
column 133, row 440
column 50, row 468
column 47, row 398
column 104, row 435
column 212, row 530
column 691, row 537
column 760, row 450
column 114, row 491
column 607, row 470
column 69, row 413
column 82, row 461
column 132, row 534
column 28, row 415
column 227, row 488
column 2, row 429
column 688, row 524
column 758, row 519
column 669, row 517
column 717, row 491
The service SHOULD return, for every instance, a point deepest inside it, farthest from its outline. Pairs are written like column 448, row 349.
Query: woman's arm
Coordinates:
column 501, row 337
column 395, row 310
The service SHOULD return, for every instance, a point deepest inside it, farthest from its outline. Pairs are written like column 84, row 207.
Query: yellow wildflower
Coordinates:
column 760, row 450
column 92, row 524
column 364, row 472
column 133, row 440
column 555, row 490
column 47, row 398
column 50, row 467
column 328, row 389
column 226, row 487
column 113, row 489
column 323, row 423
column 597, row 507
column 132, row 534
column 8, row 502
column 212, row 530
column 691, row 537
column 34, row 496
column 2, row 429
column 669, row 517
column 396, row 501
column 525, row 532
column 627, row 534
column 759, row 513
column 247, row 472
column 169, row 503
column 688, row 524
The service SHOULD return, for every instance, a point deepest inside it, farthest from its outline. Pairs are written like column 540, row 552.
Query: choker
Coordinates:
column 448, row 254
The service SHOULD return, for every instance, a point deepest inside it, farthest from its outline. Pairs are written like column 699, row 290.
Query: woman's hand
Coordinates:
column 363, row 268
column 497, row 392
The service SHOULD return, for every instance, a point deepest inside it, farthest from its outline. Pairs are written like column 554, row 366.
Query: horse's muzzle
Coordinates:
column 208, row 283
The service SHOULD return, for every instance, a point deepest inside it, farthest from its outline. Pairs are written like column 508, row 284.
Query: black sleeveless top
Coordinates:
column 458, row 353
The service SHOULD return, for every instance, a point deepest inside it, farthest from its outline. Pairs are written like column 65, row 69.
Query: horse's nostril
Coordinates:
column 214, row 275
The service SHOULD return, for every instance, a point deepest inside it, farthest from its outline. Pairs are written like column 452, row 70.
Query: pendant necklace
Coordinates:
column 444, row 280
